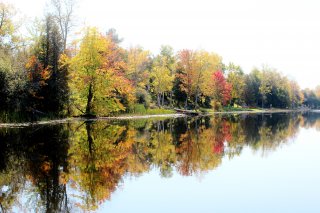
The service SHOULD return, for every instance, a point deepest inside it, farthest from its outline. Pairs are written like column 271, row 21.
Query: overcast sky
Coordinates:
column 282, row 34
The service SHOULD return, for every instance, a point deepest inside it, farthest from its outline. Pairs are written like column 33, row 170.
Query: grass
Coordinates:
column 139, row 109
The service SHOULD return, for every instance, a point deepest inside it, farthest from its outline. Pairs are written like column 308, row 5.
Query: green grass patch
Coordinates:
column 139, row 109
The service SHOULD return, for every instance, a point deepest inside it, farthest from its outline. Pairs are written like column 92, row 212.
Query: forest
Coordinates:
column 48, row 73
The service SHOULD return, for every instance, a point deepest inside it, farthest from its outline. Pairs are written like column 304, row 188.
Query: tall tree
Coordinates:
column 161, row 80
column 186, row 73
column 295, row 94
column 251, row 89
column 138, row 72
column 64, row 11
column 12, row 60
column 138, row 64
column 48, row 92
column 206, row 65
column 162, row 74
column 265, row 85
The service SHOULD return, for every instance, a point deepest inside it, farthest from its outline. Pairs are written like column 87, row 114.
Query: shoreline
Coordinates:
column 133, row 117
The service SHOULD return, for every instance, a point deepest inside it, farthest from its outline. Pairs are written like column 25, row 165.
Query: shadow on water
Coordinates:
column 61, row 168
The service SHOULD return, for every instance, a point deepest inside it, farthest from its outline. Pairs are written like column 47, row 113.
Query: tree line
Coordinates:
column 46, row 74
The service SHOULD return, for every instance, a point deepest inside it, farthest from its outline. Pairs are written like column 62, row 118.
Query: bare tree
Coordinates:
column 63, row 11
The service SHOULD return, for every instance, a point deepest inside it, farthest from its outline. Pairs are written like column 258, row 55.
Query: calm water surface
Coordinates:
column 241, row 163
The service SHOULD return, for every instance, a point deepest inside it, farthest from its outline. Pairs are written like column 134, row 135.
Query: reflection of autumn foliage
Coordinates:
column 222, row 135
column 201, row 149
column 99, row 160
column 92, row 158
column 311, row 120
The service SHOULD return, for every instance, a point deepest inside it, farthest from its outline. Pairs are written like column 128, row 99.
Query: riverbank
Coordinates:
column 137, row 116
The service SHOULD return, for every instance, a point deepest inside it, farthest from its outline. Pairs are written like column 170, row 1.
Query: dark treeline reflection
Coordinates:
column 59, row 168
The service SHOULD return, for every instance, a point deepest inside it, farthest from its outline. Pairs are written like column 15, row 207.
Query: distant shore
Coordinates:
column 137, row 116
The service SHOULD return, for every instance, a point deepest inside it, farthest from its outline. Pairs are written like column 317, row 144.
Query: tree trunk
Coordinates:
column 163, row 99
column 89, row 137
column 89, row 100
column 186, row 103
column 158, row 99
column 196, row 104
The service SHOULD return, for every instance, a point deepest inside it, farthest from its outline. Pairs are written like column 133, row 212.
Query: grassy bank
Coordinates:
column 13, row 119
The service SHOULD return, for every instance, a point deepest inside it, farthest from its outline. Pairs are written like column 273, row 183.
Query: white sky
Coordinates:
column 280, row 33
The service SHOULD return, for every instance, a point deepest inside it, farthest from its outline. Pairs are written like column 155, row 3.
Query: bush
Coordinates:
column 138, row 109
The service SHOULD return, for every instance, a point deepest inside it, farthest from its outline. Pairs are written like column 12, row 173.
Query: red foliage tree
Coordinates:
column 221, row 88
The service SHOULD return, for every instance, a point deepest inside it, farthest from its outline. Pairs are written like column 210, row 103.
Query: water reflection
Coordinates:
column 61, row 168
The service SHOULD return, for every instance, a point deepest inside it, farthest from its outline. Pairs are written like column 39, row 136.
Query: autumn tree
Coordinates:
column 295, row 94
column 162, row 74
column 138, row 62
column 195, row 68
column 236, row 78
column 265, row 85
column 220, row 91
column 97, row 77
column 138, row 72
column 186, row 73
column 47, row 83
column 205, row 65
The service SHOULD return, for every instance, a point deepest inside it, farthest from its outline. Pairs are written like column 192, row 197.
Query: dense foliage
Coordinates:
column 43, row 74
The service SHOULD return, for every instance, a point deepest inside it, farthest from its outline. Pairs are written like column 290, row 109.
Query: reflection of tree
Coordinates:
column 311, row 120
column 162, row 149
column 14, row 182
column 92, row 158
column 48, row 164
column 31, row 156
column 199, row 149
column 98, row 160
column 271, row 130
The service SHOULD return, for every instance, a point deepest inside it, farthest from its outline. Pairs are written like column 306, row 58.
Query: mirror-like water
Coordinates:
column 225, row 163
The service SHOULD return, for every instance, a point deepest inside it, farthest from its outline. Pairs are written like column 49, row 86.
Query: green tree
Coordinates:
column 12, row 61
column 265, row 85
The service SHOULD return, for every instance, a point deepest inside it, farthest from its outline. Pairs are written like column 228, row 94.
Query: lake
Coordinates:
column 223, row 163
